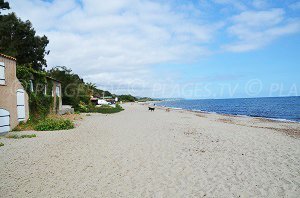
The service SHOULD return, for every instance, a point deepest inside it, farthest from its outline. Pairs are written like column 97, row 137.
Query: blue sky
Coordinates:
column 172, row 48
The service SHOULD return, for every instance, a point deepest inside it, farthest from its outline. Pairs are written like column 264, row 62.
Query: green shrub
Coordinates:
column 1, row 144
column 51, row 124
column 106, row 109
column 40, row 105
column 15, row 136
column 83, row 107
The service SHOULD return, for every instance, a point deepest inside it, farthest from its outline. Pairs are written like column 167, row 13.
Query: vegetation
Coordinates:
column 1, row 144
column 52, row 124
column 40, row 104
column 75, row 91
column 145, row 99
column 106, row 109
column 62, row 122
column 24, row 126
column 18, row 39
column 15, row 136
column 4, row 5
column 127, row 98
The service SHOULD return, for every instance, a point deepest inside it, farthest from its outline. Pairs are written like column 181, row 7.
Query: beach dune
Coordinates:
column 138, row 153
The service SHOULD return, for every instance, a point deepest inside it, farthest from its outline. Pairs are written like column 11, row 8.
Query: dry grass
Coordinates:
column 28, row 126
column 71, row 117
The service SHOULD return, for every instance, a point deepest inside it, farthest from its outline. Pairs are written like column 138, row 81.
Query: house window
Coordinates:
column 2, row 73
column 58, row 91
column 31, row 86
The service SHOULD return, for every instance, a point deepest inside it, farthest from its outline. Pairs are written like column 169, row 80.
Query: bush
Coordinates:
column 127, row 98
column 106, row 109
column 83, row 107
column 50, row 124
column 40, row 105
column 1, row 144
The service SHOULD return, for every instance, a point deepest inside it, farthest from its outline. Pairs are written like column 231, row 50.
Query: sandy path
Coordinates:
column 137, row 153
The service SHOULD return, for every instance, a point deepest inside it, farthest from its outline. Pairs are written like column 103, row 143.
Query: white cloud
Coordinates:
column 115, row 43
column 107, row 36
column 255, row 29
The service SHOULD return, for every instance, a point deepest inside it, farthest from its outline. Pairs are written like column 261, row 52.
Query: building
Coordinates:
column 56, row 94
column 14, row 100
column 103, row 100
column 13, row 97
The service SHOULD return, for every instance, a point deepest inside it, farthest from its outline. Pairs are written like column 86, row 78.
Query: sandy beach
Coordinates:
column 138, row 153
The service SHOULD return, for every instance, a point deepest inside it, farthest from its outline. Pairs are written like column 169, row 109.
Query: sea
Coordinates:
column 279, row 108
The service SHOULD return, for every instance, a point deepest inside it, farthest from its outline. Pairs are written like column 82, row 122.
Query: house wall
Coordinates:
column 8, row 92
column 55, row 83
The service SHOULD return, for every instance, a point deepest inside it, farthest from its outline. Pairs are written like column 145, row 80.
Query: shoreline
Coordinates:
column 288, row 127
column 237, row 115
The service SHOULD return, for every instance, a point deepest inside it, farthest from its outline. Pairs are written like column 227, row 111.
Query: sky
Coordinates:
column 174, row 48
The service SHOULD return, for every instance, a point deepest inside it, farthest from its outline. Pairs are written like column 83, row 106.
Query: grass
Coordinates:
column 1, row 144
column 53, row 124
column 15, row 136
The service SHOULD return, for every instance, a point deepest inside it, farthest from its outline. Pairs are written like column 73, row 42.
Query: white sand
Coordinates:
column 137, row 153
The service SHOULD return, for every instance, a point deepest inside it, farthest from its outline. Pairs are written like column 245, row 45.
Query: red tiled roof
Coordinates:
column 8, row 57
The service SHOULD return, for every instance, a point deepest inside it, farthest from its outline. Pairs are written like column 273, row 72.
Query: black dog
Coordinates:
column 151, row 109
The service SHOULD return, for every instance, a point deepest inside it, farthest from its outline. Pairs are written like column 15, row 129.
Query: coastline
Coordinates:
column 234, row 115
column 289, row 127
column 139, row 153
column 212, row 112
column 276, row 108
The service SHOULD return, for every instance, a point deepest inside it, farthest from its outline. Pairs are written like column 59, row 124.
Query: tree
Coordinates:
column 74, row 90
column 19, row 39
column 127, row 98
column 73, row 87
column 4, row 5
